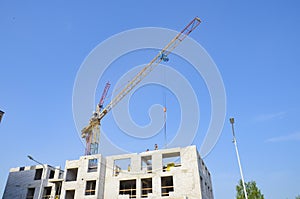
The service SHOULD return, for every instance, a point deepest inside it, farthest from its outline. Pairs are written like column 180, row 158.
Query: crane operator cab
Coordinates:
column 164, row 57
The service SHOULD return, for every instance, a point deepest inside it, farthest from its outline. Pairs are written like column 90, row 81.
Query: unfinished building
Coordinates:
column 177, row 173
column 84, row 178
column 34, row 182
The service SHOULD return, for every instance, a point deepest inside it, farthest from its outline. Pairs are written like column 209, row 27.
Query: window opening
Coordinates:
column 71, row 174
column 166, row 185
column 57, row 190
column 93, row 165
column 146, row 164
column 47, row 193
column 128, row 187
column 38, row 174
column 30, row 193
column 60, row 176
column 51, row 175
column 90, row 188
column 202, row 184
column 146, row 187
column 122, row 165
column 70, row 194
column 171, row 160
column 22, row 169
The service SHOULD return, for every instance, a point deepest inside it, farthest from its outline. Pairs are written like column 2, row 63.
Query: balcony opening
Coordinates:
column 71, row 174
column 93, row 165
column 122, row 165
column 30, row 193
column 128, row 187
column 21, row 168
column 47, row 193
column 171, row 160
column 70, row 194
column 38, row 174
column 146, row 164
column 166, row 185
column 90, row 188
column 146, row 187
column 51, row 175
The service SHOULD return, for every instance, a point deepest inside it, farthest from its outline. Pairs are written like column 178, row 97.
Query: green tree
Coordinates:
column 298, row 197
column 253, row 191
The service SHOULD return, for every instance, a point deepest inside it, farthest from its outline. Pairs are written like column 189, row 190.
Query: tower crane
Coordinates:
column 93, row 129
column 92, row 138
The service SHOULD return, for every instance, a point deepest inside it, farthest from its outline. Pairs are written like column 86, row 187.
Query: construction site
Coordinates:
column 149, row 99
column 175, row 173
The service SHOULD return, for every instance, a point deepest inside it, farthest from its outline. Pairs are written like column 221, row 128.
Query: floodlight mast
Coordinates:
column 238, row 156
column 93, row 127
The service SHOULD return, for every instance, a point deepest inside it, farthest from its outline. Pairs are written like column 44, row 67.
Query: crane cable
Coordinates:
column 165, row 108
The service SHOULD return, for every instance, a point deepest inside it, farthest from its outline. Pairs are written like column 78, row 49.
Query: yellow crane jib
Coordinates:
column 161, row 56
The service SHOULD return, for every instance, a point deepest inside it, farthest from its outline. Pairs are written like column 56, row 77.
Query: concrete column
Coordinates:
column 157, row 162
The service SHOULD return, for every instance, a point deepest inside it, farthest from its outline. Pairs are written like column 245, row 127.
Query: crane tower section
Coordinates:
column 92, row 138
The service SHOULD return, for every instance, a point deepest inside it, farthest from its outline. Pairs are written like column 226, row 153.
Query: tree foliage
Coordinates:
column 298, row 197
column 253, row 191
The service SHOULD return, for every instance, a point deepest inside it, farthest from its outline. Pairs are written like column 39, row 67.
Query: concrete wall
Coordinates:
column 191, row 178
column 186, row 177
column 22, row 178
column 205, row 179
column 84, row 175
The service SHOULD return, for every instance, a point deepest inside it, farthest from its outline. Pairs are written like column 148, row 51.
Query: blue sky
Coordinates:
column 255, row 45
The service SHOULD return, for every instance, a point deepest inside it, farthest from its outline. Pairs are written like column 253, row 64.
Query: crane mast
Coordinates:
column 92, row 138
column 93, row 126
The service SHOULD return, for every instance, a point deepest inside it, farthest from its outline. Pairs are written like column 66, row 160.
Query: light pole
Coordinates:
column 238, row 157
column 42, row 180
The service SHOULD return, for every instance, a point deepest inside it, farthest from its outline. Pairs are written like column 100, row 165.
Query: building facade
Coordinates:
column 177, row 173
column 84, row 178
column 34, row 182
